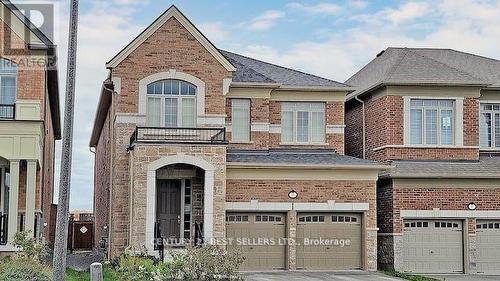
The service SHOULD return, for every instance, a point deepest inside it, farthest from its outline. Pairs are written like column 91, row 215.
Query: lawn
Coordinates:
column 409, row 276
column 73, row 275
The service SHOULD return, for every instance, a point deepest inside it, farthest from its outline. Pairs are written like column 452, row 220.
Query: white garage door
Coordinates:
column 433, row 246
column 488, row 247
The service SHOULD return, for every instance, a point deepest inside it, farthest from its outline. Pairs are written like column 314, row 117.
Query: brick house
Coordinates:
column 434, row 116
column 29, row 127
column 193, row 142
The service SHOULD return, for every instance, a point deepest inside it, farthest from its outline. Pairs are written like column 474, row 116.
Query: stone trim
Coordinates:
column 458, row 125
column 437, row 213
column 172, row 74
column 330, row 205
column 208, row 211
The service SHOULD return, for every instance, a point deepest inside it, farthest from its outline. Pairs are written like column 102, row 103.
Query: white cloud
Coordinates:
column 407, row 12
column 214, row 31
column 358, row 4
column 317, row 9
column 264, row 21
column 346, row 51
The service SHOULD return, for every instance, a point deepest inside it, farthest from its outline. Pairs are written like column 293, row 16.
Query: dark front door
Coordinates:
column 168, row 207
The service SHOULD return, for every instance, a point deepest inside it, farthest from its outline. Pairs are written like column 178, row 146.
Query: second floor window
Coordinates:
column 432, row 122
column 303, row 122
column 8, row 73
column 490, row 126
column 240, row 119
column 171, row 103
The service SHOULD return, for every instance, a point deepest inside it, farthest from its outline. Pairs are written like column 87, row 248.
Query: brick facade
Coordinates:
column 31, row 86
column 124, row 170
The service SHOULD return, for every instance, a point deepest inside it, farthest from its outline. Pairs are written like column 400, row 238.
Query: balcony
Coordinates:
column 178, row 135
column 7, row 111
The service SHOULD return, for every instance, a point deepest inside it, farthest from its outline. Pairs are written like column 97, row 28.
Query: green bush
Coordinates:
column 196, row 263
column 207, row 263
column 31, row 249
column 23, row 270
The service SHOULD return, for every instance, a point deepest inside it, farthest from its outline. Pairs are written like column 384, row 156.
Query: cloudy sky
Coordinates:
column 330, row 39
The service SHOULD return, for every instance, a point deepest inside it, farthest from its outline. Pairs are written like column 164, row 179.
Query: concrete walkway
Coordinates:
column 317, row 276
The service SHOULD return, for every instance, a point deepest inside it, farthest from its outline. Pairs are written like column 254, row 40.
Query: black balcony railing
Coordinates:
column 178, row 135
column 8, row 111
column 3, row 229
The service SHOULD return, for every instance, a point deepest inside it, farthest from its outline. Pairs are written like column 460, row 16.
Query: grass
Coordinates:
column 410, row 277
column 108, row 272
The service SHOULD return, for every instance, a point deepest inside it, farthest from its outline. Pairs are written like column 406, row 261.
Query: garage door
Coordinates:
column 433, row 246
column 328, row 241
column 488, row 247
column 259, row 237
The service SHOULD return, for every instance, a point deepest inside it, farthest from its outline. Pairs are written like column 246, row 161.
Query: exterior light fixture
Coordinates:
column 293, row 194
column 472, row 206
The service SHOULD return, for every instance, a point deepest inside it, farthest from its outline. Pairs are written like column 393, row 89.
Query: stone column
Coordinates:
column 29, row 222
column 292, row 240
column 13, row 199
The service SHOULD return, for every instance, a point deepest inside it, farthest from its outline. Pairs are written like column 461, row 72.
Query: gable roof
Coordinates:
column 256, row 71
column 169, row 13
column 426, row 66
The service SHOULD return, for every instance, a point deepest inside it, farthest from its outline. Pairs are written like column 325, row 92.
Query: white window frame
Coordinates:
column 493, row 113
column 178, row 97
column 9, row 74
column 457, row 122
column 248, row 106
column 296, row 107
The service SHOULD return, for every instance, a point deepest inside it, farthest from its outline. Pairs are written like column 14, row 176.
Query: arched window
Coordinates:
column 8, row 73
column 171, row 103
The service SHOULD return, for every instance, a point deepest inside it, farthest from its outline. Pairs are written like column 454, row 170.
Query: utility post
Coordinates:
column 61, row 238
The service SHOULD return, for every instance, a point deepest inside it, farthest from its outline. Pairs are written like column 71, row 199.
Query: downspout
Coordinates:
column 363, row 124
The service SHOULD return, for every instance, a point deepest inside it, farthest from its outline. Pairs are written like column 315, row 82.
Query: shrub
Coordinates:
column 31, row 249
column 207, row 263
column 22, row 270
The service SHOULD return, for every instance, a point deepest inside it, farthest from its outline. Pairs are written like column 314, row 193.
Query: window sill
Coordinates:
column 412, row 146
column 491, row 149
column 241, row 142
column 303, row 144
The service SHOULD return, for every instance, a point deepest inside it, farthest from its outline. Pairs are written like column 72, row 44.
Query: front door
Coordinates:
column 168, row 208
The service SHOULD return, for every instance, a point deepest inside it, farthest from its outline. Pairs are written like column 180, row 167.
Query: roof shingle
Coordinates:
column 252, row 70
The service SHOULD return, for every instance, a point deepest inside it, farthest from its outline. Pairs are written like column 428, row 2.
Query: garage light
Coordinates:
column 293, row 194
column 472, row 206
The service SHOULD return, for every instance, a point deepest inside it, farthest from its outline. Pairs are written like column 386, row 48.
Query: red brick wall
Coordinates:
column 427, row 198
column 102, row 180
column 354, row 129
column 385, row 127
column 309, row 191
column 171, row 47
column 266, row 111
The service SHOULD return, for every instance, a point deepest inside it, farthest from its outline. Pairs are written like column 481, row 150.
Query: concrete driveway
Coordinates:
column 464, row 277
column 317, row 276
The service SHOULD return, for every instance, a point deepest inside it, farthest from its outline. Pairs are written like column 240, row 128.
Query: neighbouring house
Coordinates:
column 29, row 127
column 434, row 116
column 196, row 143
column 79, row 215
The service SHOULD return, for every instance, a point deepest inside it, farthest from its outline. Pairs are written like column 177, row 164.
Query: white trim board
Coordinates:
column 159, row 22
column 437, row 213
column 330, row 205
